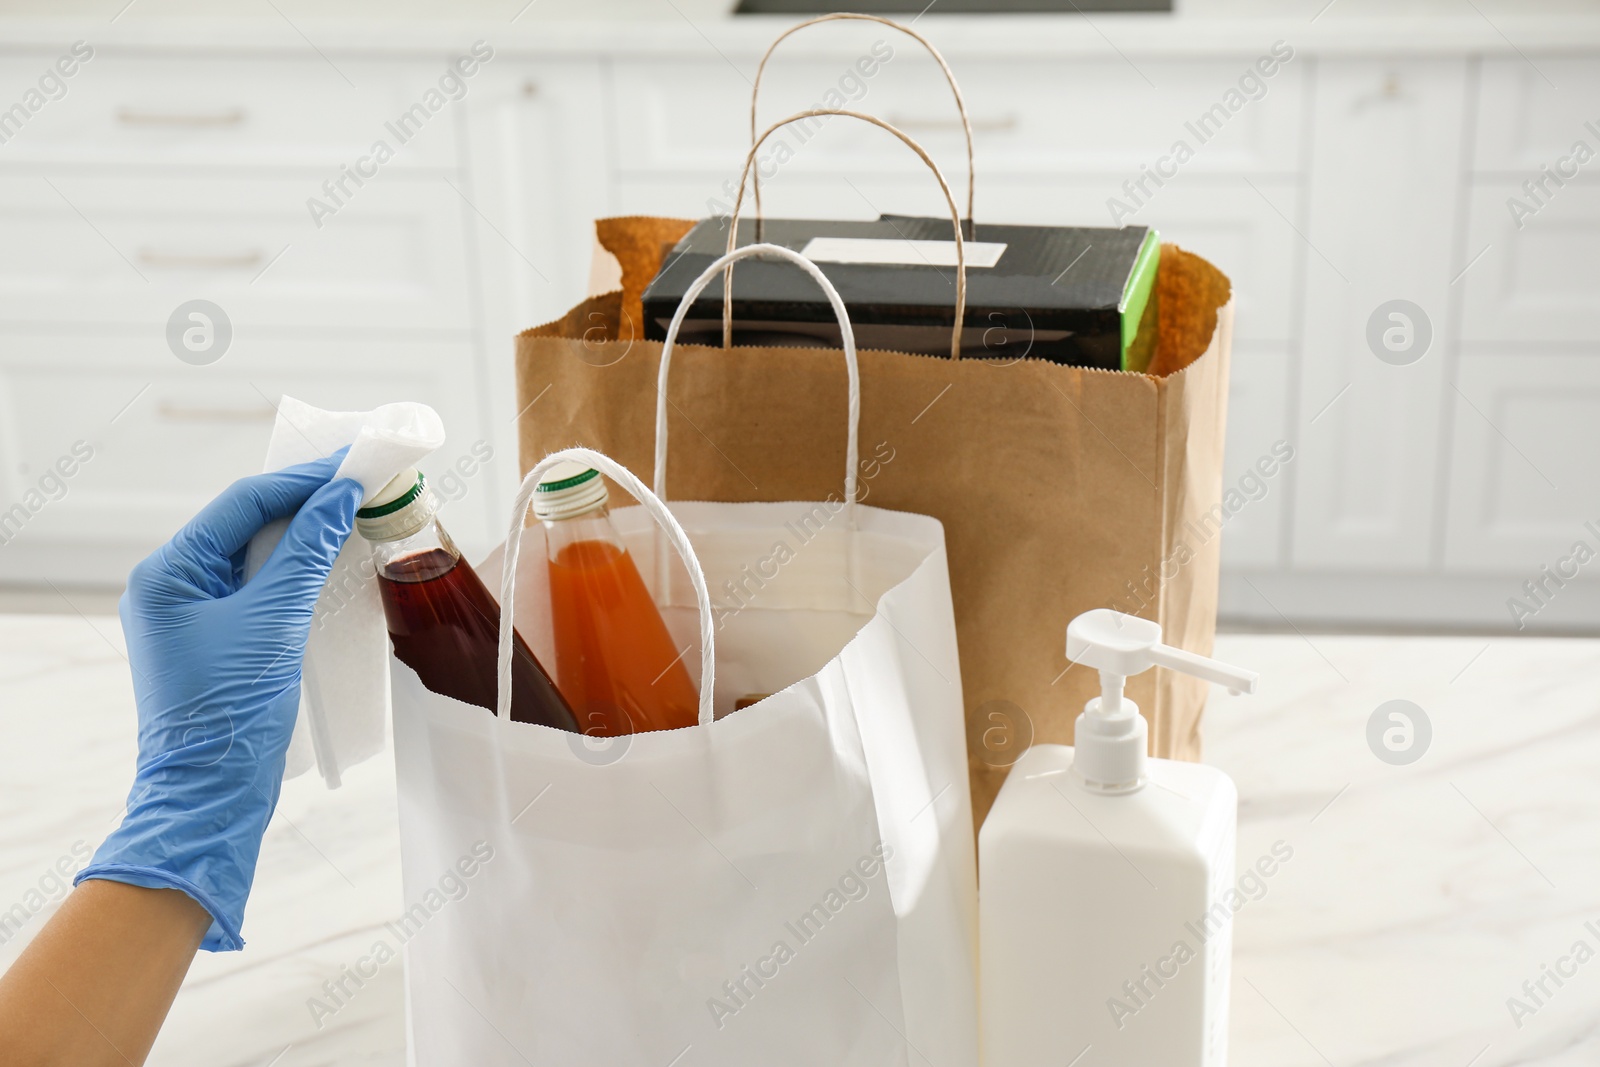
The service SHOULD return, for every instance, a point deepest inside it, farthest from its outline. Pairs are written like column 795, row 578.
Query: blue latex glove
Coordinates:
column 216, row 675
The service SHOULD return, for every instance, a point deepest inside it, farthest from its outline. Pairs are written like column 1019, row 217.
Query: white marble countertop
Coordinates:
column 1417, row 901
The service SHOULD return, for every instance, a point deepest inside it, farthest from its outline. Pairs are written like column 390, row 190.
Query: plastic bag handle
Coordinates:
column 955, row 220
column 846, row 333
column 664, row 518
column 949, row 76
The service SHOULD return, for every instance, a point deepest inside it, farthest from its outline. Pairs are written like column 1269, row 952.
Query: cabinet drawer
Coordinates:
column 1034, row 117
column 131, row 249
column 1523, row 482
column 235, row 111
column 167, row 437
column 1525, row 123
column 1539, row 282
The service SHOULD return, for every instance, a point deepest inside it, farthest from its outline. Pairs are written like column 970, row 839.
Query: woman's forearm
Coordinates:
column 96, row 983
column 216, row 678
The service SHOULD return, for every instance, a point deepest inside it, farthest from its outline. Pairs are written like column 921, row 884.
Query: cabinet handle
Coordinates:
column 171, row 412
column 196, row 119
column 997, row 124
column 200, row 261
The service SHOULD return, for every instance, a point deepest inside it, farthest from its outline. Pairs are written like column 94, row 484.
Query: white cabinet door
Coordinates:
column 1523, row 481
column 1383, row 195
column 1259, row 457
column 540, row 163
column 1532, row 110
column 1538, row 278
column 540, row 175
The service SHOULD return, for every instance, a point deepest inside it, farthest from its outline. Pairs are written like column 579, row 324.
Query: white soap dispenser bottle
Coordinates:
column 1105, row 937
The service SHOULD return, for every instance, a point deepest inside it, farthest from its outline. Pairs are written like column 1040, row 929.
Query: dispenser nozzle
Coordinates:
column 1110, row 737
column 1122, row 645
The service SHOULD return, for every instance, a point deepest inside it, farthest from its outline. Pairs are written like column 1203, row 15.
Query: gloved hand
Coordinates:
column 216, row 675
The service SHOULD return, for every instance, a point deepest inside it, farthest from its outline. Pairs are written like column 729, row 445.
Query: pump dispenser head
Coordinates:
column 1110, row 745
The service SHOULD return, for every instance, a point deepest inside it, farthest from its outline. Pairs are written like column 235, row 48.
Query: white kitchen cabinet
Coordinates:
column 540, row 159
column 1379, row 227
column 540, row 162
column 1520, row 493
column 1531, row 109
column 1352, row 177
column 675, row 116
column 1258, row 430
column 107, row 247
column 166, row 437
column 161, row 178
column 200, row 110
column 1537, row 281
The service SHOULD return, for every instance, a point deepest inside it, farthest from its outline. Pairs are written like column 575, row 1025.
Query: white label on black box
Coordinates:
column 897, row 252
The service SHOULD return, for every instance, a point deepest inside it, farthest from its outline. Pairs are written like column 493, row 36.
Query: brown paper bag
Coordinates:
column 1061, row 489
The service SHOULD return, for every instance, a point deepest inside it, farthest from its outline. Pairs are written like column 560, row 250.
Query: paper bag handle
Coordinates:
column 944, row 186
column 846, row 334
column 664, row 518
column 961, row 104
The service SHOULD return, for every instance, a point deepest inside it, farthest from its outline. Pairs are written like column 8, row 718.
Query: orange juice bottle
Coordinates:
column 616, row 663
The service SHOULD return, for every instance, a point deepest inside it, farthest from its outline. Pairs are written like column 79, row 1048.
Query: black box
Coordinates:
column 1070, row 295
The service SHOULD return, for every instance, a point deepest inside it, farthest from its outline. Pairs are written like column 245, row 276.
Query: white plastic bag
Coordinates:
column 793, row 883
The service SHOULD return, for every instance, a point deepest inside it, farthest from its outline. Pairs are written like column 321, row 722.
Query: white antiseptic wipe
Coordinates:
column 344, row 693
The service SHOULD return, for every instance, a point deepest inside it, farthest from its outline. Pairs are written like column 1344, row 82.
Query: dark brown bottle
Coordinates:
column 443, row 622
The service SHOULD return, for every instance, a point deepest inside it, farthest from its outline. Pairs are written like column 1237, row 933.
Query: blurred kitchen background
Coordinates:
column 1428, row 348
